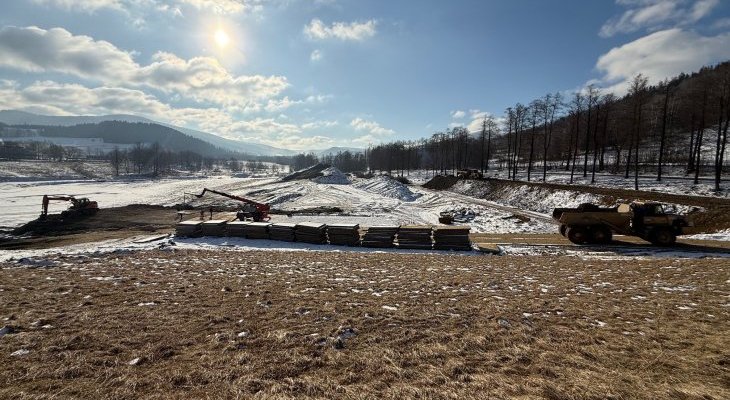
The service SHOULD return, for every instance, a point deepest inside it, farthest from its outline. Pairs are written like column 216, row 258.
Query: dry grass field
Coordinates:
column 187, row 324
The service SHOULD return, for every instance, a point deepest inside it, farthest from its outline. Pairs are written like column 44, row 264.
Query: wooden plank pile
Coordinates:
column 188, row 228
column 256, row 230
column 452, row 238
column 344, row 234
column 283, row 231
column 311, row 232
column 379, row 236
column 414, row 237
column 237, row 228
column 214, row 227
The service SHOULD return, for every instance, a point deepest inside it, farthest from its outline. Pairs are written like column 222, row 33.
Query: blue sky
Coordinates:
column 314, row 74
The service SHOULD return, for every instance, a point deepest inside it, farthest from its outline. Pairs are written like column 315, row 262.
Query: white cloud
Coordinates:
column 53, row 98
column 372, row 127
column 202, row 79
column 355, row 31
column 660, row 55
column 316, row 55
column 656, row 14
column 319, row 124
column 458, row 114
column 206, row 80
column 172, row 6
column 222, row 6
column 275, row 105
column 84, row 5
column 57, row 50
column 722, row 23
column 75, row 99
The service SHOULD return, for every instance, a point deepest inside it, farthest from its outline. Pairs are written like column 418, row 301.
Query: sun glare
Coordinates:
column 221, row 38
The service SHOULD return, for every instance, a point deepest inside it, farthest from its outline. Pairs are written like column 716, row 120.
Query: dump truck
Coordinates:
column 469, row 173
column 591, row 224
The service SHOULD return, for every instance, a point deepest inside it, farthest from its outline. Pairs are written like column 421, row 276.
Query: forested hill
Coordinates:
column 678, row 126
column 135, row 132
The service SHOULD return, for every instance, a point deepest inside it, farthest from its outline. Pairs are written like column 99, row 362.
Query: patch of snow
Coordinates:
column 18, row 353
column 388, row 187
column 723, row 235
column 332, row 176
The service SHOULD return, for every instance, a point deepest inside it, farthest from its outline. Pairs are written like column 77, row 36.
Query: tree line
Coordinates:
column 679, row 123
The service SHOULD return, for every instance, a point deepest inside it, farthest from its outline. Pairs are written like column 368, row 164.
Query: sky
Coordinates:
column 311, row 74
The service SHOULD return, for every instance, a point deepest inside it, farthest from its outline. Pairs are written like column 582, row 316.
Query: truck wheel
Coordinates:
column 563, row 228
column 662, row 237
column 601, row 235
column 577, row 234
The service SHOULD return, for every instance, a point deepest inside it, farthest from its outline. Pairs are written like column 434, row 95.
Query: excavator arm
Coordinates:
column 47, row 199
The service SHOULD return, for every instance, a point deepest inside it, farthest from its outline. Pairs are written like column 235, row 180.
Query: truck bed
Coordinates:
column 583, row 208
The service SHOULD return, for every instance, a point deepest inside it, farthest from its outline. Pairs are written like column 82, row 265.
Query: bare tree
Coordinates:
column 576, row 108
column 637, row 91
column 591, row 97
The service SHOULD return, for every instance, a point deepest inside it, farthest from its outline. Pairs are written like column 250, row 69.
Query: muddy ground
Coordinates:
column 194, row 324
column 107, row 223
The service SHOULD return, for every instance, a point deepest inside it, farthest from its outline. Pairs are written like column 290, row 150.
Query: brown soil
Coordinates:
column 107, row 223
column 352, row 325
column 440, row 182
column 309, row 173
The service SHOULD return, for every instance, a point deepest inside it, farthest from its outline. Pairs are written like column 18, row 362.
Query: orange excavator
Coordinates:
column 79, row 206
column 249, row 209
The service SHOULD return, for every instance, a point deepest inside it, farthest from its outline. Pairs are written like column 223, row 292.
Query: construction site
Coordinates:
column 319, row 284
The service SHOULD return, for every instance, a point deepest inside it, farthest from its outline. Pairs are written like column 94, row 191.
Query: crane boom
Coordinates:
column 262, row 210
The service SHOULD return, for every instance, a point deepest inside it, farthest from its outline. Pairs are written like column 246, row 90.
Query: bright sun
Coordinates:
column 221, row 38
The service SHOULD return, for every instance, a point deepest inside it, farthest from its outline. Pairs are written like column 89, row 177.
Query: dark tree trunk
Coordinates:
column 588, row 137
column 663, row 135
column 720, row 145
column 532, row 150
column 700, row 135
column 691, row 158
column 595, row 144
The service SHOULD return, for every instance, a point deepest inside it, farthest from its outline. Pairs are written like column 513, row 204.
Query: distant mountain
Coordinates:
column 257, row 149
column 338, row 149
column 129, row 133
column 15, row 117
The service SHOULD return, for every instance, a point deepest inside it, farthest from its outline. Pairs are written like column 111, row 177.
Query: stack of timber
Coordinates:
column 256, row 230
column 344, row 234
column 214, row 227
column 415, row 237
column 451, row 238
column 311, row 232
column 237, row 228
column 189, row 228
column 282, row 231
column 379, row 236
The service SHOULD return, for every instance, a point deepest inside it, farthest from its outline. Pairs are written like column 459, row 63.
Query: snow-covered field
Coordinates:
column 374, row 201
column 22, row 200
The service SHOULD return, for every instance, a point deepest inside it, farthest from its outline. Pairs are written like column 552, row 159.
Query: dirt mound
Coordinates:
column 136, row 216
column 388, row 187
column 307, row 173
column 440, row 182
column 332, row 176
